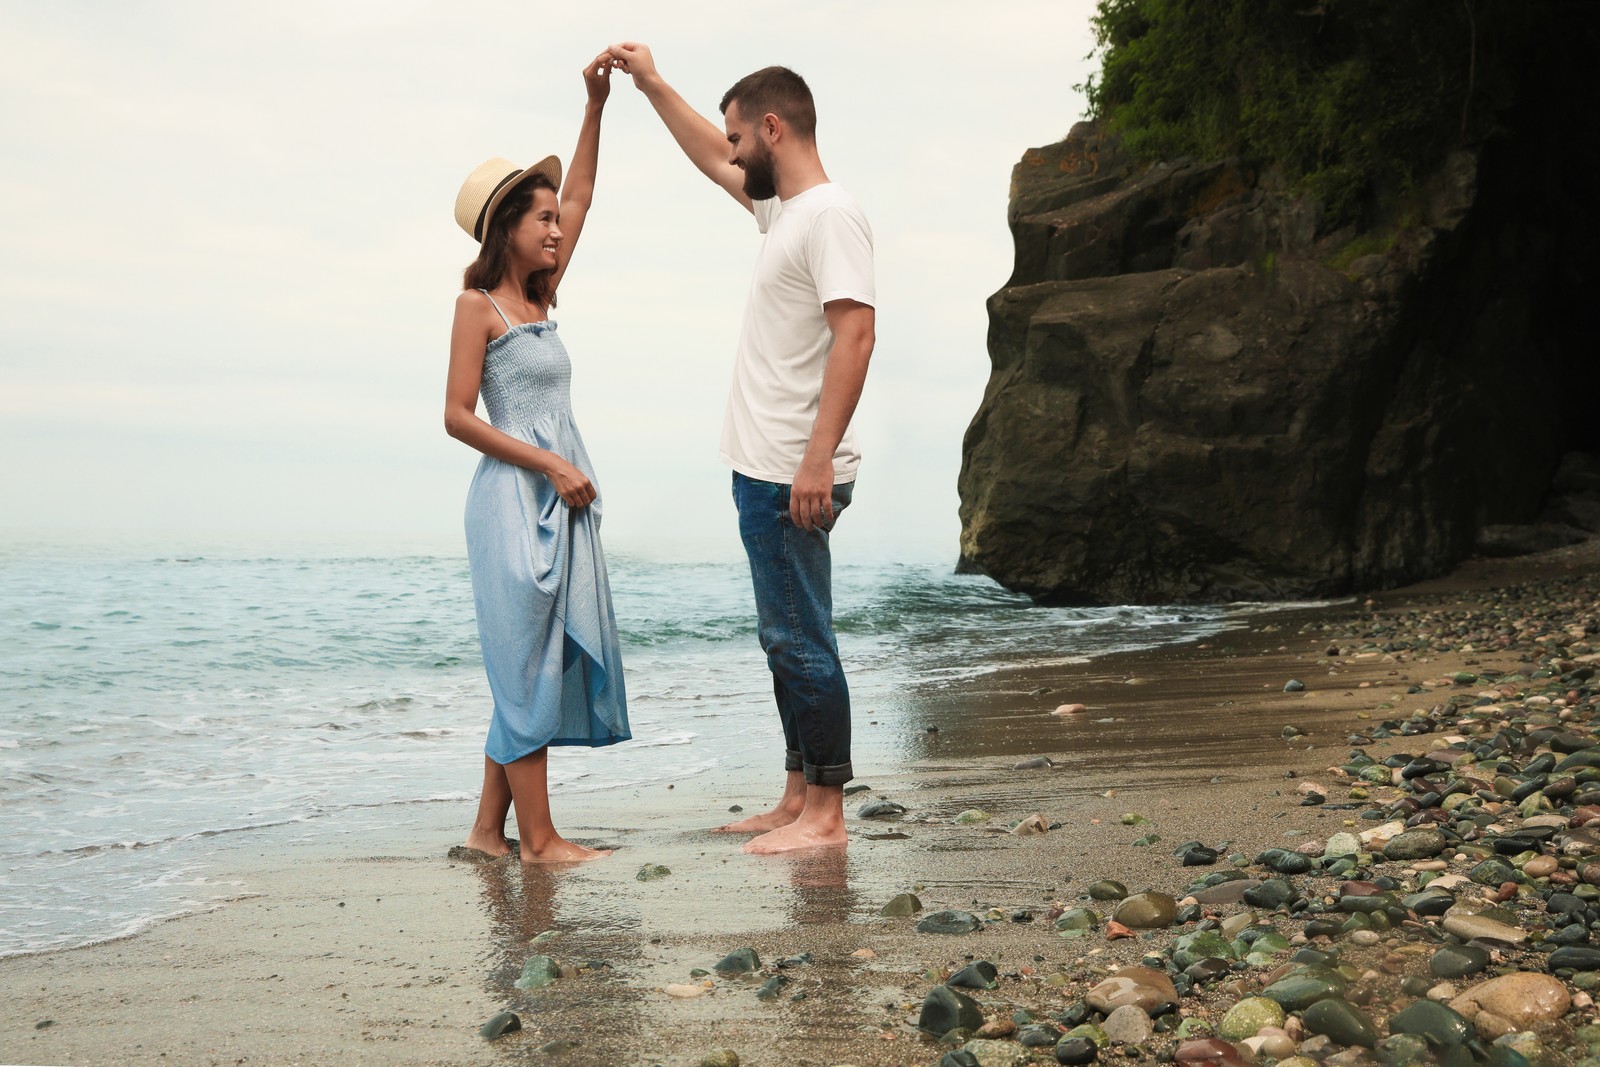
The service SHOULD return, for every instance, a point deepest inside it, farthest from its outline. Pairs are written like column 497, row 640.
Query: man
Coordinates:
column 803, row 351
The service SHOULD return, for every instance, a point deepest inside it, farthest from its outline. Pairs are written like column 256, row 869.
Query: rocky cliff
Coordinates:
column 1197, row 394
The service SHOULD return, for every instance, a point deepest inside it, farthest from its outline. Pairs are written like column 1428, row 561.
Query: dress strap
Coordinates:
column 496, row 307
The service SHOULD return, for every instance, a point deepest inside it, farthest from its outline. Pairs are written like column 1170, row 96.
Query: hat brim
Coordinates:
column 549, row 167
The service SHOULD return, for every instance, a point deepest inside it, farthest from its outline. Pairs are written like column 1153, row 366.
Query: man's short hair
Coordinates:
column 777, row 91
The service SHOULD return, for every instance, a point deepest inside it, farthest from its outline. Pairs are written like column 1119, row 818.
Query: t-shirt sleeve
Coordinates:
column 839, row 252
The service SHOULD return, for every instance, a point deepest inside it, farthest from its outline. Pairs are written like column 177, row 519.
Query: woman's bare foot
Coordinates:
column 492, row 845
column 797, row 835
column 560, row 850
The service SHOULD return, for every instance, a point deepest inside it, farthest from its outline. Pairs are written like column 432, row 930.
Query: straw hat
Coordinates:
column 490, row 183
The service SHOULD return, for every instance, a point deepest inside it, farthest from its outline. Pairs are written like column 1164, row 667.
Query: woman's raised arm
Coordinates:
column 577, row 191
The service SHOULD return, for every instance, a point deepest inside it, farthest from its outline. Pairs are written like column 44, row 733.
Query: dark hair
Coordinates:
column 494, row 255
column 777, row 91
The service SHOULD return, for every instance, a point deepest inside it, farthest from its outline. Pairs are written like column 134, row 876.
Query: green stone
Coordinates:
column 1441, row 1027
column 1301, row 989
column 1077, row 919
column 1204, row 944
column 538, row 971
column 1088, row 1031
column 1246, row 1018
column 901, row 906
column 972, row 815
column 1107, row 889
column 1342, row 1021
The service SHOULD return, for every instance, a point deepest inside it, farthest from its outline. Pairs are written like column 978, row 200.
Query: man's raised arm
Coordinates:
column 704, row 144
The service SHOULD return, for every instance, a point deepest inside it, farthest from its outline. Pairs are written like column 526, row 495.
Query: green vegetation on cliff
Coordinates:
column 1352, row 100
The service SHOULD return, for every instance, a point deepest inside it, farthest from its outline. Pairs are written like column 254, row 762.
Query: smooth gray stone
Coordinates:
column 944, row 1009
column 874, row 809
column 500, row 1025
column 1037, row 1035
column 739, row 961
column 1301, row 989
column 1273, row 893
column 949, row 922
column 1577, row 957
column 1344, row 1022
column 1441, row 1027
column 1285, row 861
column 1458, row 961
column 1415, row 845
column 1107, row 889
column 979, row 975
column 1076, row 1051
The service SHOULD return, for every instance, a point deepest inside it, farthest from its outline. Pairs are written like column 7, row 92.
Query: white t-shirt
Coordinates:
column 818, row 247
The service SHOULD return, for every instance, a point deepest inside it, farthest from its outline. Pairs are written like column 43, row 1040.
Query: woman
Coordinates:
column 533, row 513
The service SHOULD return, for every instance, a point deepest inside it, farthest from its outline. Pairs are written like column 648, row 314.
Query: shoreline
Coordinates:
column 379, row 949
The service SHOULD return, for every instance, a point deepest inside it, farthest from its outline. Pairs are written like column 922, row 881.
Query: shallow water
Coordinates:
column 156, row 703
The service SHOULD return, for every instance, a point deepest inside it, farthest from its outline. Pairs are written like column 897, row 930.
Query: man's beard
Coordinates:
column 760, row 177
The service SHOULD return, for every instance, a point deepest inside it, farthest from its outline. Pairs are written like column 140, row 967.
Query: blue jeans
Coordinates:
column 792, row 572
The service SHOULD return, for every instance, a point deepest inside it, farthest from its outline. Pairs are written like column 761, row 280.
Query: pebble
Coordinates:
column 944, row 1009
column 1149, row 989
column 538, row 971
column 1070, row 709
column 996, row 1053
column 1458, row 961
column 875, row 809
column 1208, row 1052
column 1107, row 889
column 1037, row 763
column 1076, row 1051
column 1440, row 1025
column 1415, row 845
column 950, row 922
column 979, row 975
column 1523, row 999
column 1249, row 1016
column 1146, row 911
column 684, row 991
column 739, row 961
column 1032, row 826
column 722, row 1057
column 1128, row 1025
column 1344, row 1022
column 651, row 871
column 1467, row 927
column 971, row 816
column 500, row 1025
column 902, row 905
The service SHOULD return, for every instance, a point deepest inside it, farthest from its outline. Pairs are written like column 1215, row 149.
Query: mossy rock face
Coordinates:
column 1324, row 192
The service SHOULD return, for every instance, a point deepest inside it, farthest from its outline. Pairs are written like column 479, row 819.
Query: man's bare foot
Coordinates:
column 760, row 824
column 798, row 835
column 560, row 850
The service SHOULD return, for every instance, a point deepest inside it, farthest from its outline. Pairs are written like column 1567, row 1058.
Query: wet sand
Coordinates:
column 384, row 951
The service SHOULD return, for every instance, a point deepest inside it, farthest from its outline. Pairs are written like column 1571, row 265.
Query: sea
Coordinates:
column 156, row 705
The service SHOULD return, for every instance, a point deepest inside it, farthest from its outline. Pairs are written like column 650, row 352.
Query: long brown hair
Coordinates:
column 494, row 254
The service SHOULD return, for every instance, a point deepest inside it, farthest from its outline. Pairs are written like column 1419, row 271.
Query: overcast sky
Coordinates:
column 230, row 260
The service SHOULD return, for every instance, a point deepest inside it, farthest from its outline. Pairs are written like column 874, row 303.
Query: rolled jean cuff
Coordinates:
column 792, row 761
column 835, row 774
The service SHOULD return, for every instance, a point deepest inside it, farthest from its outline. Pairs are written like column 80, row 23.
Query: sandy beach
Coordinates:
column 379, row 949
